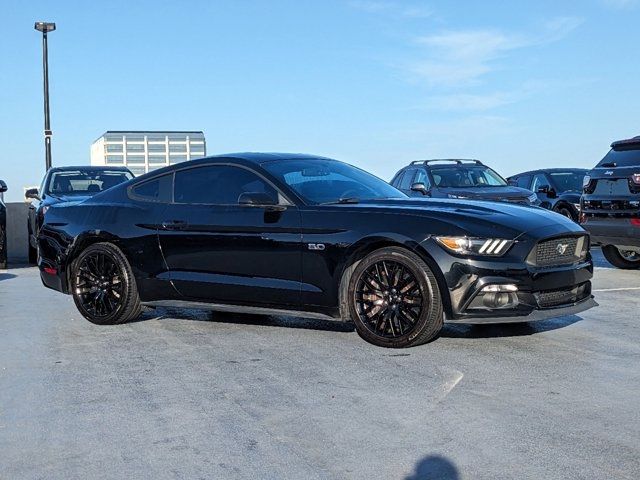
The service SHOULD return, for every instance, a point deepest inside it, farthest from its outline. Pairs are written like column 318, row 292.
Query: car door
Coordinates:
column 218, row 250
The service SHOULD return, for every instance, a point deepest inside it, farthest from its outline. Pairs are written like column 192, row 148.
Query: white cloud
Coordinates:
column 462, row 57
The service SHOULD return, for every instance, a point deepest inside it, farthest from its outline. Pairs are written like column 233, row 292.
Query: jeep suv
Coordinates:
column 610, row 204
column 457, row 178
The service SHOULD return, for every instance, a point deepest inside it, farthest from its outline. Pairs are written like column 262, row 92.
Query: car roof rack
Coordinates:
column 458, row 161
column 628, row 141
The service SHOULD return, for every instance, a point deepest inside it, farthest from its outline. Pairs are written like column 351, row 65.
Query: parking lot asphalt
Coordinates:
column 187, row 394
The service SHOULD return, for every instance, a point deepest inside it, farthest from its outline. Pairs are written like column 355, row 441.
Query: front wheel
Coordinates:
column 567, row 212
column 394, row 299
column 103, row 286
column 621, row 258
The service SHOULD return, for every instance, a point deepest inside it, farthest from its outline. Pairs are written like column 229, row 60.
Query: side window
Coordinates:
column 397, row 179
column 524, row 181
column 422, row 177
column 217, row 185
column 407, row 179
column 155, row 190
column 539, row 180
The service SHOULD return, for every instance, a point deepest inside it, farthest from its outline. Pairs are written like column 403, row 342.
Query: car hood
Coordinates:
column 488, row 193
column 474, row 218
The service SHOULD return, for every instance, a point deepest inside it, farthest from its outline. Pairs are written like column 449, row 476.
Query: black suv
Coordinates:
column 558, row 189
column 457, row 178
column 3, row 227
column 611, row 204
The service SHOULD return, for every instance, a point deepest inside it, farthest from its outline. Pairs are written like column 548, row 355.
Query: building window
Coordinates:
column 156, row 137
column 117, row 147
column 158, row 159
column 113, row 137
column 157, row 147
column 177, row 147
column 180, row 137
column 196, row 136
column 137, row 171
column 135, row 147
column 111, row 159
column 135, row 159
column 133, row 137
column 194, row 155
column 177, row 158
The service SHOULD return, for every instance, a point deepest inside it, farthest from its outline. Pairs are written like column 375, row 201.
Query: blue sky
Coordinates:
column 377, row 83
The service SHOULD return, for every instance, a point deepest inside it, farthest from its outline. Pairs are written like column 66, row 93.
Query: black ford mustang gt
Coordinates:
column 285, row 234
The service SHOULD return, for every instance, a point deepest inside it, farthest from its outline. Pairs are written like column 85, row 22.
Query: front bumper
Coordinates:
column 613, row 231
column 534, row 316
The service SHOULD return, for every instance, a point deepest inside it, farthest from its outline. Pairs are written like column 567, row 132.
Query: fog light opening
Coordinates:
column 499, row 300
column 500, row 288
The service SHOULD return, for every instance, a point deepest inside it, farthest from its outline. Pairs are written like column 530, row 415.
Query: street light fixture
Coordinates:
column 46, row 27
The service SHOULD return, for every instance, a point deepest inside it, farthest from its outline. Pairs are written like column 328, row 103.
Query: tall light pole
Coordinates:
column 46, row 27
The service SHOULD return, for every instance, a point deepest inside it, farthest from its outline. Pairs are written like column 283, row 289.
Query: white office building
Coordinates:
column 144, row 151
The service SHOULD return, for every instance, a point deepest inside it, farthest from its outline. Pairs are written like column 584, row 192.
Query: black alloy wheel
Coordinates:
column 621, row 258
column 103, row 285
column 395, row 300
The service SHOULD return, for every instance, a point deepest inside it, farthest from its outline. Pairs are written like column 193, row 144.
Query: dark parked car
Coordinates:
column 285, row 233
column 559, row 189
column 461, row 179
column 3, row 227
column 611, row 204
column 67, row 184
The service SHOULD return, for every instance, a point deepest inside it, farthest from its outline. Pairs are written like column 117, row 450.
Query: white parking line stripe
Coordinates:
column 616, row 289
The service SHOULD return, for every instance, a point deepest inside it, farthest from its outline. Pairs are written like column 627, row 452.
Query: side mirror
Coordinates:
column 256, row 199
column 3, row 186
column 32, row 193
column 548, row 190
column 420, row 187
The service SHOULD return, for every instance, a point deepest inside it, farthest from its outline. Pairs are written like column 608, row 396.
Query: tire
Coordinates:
column 617, row 259
column 103, row 286
column 394, row 300
column 566, row 212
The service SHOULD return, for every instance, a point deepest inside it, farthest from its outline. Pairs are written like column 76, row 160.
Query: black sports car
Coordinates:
column 559, row 189
column 67, row 184
column 286, row 233
column 460, row 179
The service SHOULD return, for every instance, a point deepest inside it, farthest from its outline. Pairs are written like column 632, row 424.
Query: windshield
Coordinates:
column 326, row 181
column 466, row 176
column 568, row 181
column 628, row 157
column 87, row 183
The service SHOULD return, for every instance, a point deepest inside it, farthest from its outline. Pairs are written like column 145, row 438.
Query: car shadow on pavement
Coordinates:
column 6, row 276
column 507, row 329
column 434, row 467
column 245, row 319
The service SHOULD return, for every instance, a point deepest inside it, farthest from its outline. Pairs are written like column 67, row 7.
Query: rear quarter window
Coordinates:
column 159, row 189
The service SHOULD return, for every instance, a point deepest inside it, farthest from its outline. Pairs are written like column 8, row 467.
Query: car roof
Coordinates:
column 550, row 170
column 88, row 168
column 258, row 157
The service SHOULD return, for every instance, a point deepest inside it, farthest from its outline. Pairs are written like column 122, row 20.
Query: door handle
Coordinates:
column 174, row 225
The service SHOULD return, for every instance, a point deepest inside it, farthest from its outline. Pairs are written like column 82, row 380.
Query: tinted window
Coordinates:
column 324, row 181
column 90, row 182
column 158, row 189
column 627, row 157
column 524, row 181
column 217, row 185
column 568, row 181
column 407, row 180
column 466, row 176
column 422, row 177
column 539, row 180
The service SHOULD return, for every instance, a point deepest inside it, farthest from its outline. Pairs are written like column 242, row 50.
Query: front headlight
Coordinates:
column 494, row 247
column 585, row 181
column 533, row 198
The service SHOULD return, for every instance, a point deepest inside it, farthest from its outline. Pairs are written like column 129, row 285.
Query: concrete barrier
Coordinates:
column 17, row 251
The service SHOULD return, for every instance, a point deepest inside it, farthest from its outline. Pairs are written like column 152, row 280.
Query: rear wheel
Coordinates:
column 566, row 212
column 621, row 258
column 394, row 299
column 103, row 286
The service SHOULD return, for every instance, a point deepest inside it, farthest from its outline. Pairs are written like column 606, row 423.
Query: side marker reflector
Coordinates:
column 50, row 271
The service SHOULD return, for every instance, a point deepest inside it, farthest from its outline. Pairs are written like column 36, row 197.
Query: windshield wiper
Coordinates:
column 342, row 200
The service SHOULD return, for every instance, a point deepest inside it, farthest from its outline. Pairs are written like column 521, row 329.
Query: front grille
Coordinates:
column 554, row 298
column 558, row 251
